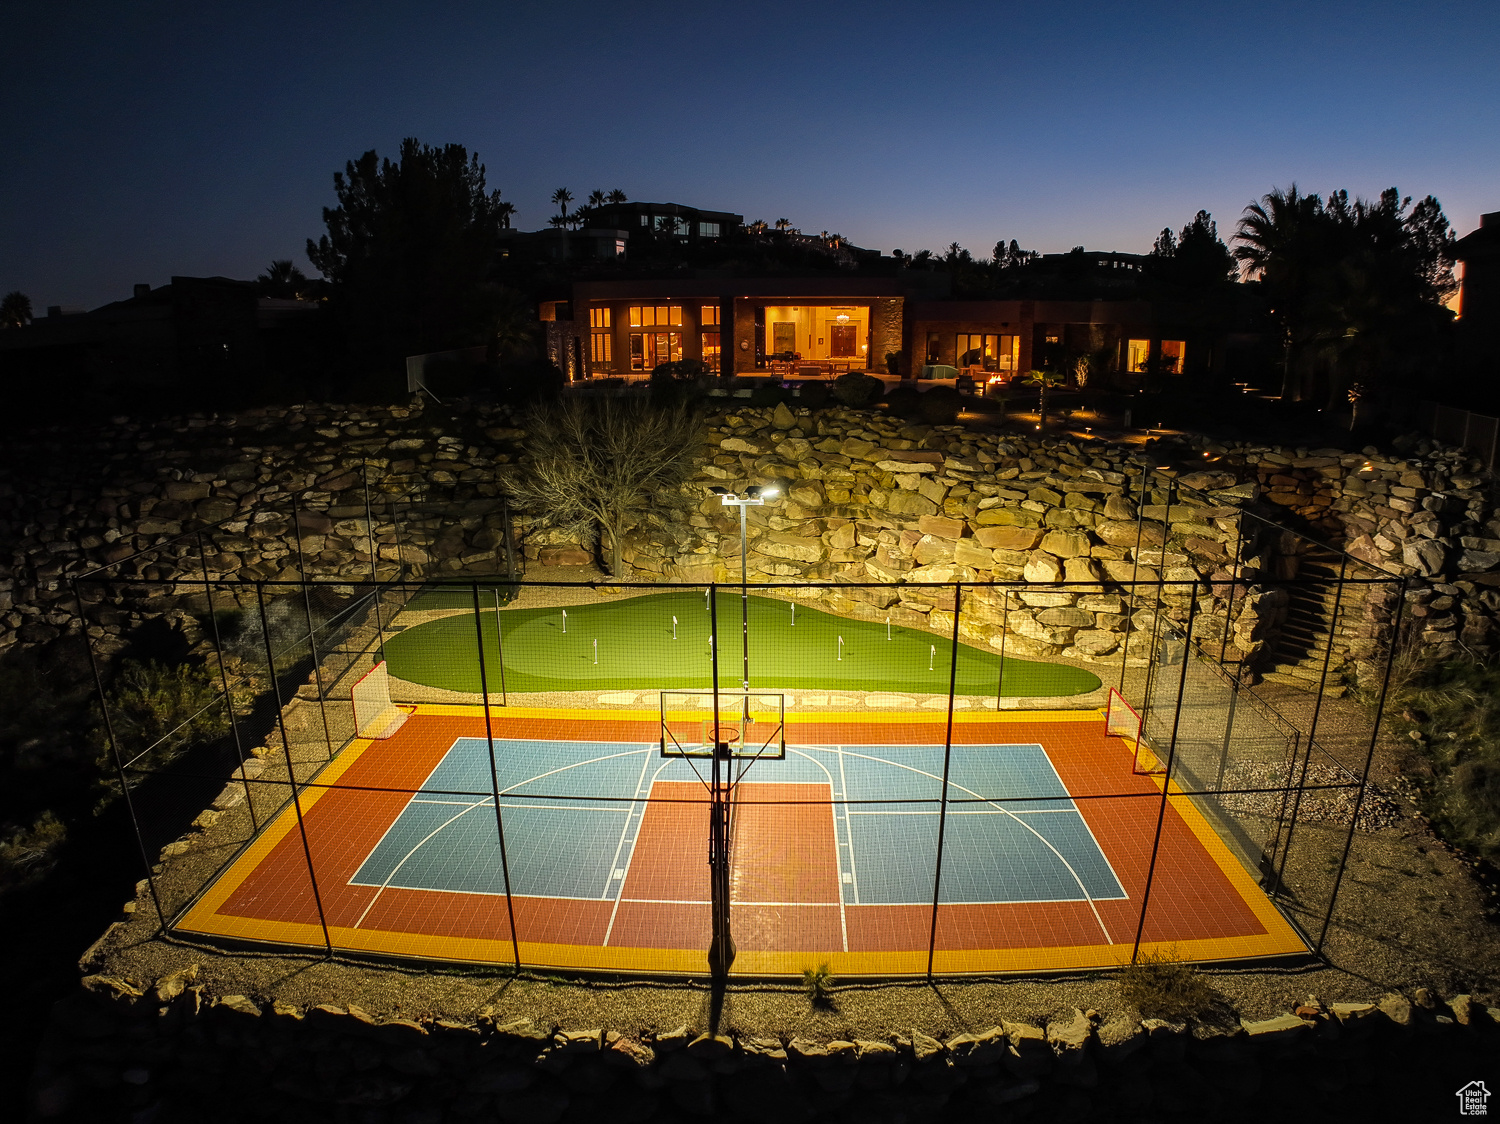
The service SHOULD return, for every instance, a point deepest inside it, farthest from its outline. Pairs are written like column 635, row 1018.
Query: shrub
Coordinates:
column 893, row 362
column 675, row 383
column 940, row 405
column 1160, row 986
column 1450, row 712
column 814, row 395
column 27, row 854
column 904, row 401
column 768, row 396
column 857, row 389
column 158, row 713
column 819, row 984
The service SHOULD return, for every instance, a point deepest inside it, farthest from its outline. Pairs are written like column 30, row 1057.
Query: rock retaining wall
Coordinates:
column 168, row 1050
column 870, row 499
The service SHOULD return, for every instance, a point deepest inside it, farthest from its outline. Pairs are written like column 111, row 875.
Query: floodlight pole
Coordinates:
column 752, row 496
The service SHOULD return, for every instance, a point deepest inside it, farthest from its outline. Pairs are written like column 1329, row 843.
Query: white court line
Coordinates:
column 843, row 917
column 680, row 901
column 848, row 833
column 1040, row 837
column 384, row 885
column 951, row 812
column 615, row 909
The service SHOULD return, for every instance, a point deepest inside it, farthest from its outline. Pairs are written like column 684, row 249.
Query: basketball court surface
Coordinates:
column 1047, row 841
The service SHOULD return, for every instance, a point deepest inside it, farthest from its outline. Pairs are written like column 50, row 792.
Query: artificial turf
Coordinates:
column 636, row 650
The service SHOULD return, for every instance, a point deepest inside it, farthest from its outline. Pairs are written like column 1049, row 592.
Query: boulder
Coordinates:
column 1043, row 567
column 1065, row 544
column 1007, row 538
column 942, row 526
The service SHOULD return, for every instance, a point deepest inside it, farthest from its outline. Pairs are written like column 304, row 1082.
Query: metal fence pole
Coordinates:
column 291, row 774
column 937, row 873
column 1312, row 729
column 116, row 760
column 1234, row 581
column 721, row 950
column 1004, row 632
column 234, row 726
column 500, row 650
column 1364, row 776
column 489, row 735
column 312, row 641
column 1166, row 787
column 1153, row 655
column 374, row 572
column 1135, row 573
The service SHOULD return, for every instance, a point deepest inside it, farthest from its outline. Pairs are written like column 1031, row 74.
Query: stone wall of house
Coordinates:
column 122, row 1049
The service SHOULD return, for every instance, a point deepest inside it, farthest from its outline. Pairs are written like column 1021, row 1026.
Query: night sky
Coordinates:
column 145, row 139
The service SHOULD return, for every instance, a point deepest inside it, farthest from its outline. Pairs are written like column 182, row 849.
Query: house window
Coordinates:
column 1173, row 352
column 599, row 318
column 708, row 230
column 1009, row 355
column 648, row 350
column 708, row 314
column 710, row 342
column 977, row 351
column 601, row 348
column 655, row 315
column 1139, row 353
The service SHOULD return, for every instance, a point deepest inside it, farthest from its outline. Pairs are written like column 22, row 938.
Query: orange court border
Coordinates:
column 1204, row 905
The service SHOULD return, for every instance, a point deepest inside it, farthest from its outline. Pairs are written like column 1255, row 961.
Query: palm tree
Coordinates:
column 562, row 197
column 783, row 225
column 597, row 198
column 616, row 196
column 757, row 227
column 15, row 310
column 1280, row 241
column 505, row 211
column 283, row 280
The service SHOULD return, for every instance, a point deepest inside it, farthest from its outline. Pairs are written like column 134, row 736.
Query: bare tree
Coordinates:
column 598, row 467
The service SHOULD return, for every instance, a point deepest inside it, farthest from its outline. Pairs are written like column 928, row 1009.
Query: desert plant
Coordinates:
column 678, row 382
column 1161, row 986
column 857, row 389
column 1449, row 712
column 158, row 712
column 819, row 983
column 28, row 853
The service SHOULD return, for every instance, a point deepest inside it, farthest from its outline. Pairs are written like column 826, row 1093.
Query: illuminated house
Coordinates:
column 828, row 324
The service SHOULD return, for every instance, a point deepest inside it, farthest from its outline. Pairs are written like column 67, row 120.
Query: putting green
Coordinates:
column 636, row 650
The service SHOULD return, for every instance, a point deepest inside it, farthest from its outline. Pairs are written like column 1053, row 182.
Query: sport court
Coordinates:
column 1047, row 842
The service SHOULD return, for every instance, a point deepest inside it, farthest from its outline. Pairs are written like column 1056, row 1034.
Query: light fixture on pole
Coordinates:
column 753, row 496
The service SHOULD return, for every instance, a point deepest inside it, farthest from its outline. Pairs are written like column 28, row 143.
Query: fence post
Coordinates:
column 1312, row 729
column 115, row 759
column 234, row 726
column 291, row 775
column 937, row 873
column 721, row 950
column 1166, row 786
column 312, row 640
column 1234, row 582
column 1004, row 632
column 489, row 736
column 364, row 470
column 1135, row 572
column 1153, row 654
column 1364, row 776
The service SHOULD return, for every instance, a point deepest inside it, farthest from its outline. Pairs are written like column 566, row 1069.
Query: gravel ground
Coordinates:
column 1410, row 913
